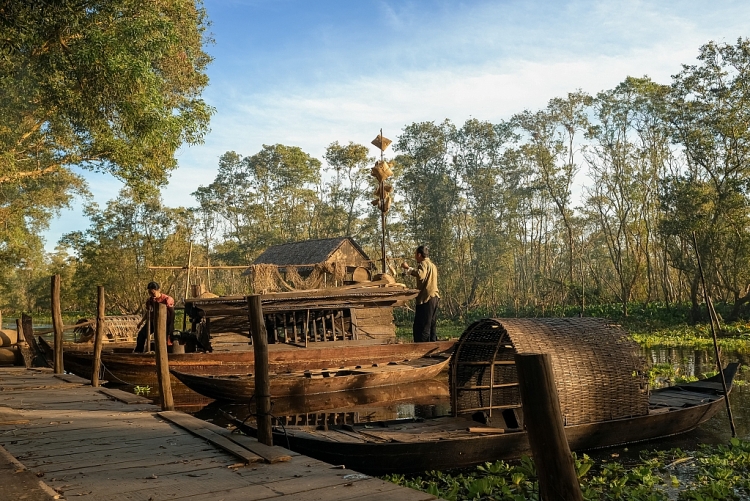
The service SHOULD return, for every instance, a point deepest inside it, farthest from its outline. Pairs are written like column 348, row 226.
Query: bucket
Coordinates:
column 176, row 347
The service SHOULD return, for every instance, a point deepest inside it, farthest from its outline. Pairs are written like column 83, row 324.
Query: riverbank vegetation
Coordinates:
column 710, row 473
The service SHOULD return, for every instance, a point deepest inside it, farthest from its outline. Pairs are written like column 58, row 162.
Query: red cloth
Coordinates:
column 168, row 300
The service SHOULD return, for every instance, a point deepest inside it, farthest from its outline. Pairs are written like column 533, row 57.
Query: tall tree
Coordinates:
column 625, row 171
column 550, row 148
column 347, row 189
column 112, row 86
column 489, row 186
column 708, row 110
column 106, row 85
column 429, row 184
column 132, row 233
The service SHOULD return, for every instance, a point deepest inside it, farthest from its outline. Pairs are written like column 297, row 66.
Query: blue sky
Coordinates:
column 307, row 73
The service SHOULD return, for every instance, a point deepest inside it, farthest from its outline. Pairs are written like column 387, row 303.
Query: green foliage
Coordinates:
column 262, row 200
column 723, row 473
column 110, row 86
column 142, row 390
column 124, row 239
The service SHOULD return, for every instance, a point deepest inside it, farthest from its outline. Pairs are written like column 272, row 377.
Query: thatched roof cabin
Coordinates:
column 307, row 253
column 310, row 264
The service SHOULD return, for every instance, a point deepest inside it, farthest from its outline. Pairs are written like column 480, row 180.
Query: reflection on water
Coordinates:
column 420, row 399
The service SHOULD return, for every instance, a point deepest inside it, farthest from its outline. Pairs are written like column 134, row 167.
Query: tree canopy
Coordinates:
column 111, row 86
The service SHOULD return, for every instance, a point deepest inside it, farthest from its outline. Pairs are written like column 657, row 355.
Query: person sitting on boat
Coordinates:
column 149, row 317
column 425, row 312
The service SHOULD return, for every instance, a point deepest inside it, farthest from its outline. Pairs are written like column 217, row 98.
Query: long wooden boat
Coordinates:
column 430, row 392
column 416, row 445
column 241, row 388
column 140, row 368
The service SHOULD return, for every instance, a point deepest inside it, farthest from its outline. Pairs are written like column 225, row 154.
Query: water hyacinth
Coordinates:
column 711, row 473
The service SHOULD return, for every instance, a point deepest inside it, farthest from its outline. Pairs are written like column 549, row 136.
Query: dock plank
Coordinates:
column 82, row 443
column 270, row 454
column 9, row 416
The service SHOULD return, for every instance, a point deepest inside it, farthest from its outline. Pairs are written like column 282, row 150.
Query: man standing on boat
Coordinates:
column 425, row 313
column 149, row 318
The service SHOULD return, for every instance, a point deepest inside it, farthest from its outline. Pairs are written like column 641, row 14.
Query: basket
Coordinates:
column 598, row 370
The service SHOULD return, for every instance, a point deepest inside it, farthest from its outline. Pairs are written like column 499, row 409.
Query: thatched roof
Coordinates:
column 307, row 252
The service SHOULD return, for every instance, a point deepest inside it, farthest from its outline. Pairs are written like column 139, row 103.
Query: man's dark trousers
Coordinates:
column 425, row 318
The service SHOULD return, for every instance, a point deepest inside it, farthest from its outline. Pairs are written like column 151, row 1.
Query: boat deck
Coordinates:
column 461, row 427
column 62, row 439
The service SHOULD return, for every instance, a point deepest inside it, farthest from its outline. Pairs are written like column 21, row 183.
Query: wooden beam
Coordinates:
column 162, row 361
column 262, row 381
column 197, row 427
column 124, row 396
column 543, row 420
column 99, row 339
column 57, row 323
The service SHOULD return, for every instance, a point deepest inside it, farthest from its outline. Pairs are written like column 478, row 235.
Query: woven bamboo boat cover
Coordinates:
column 120, row 328
column 598, row 370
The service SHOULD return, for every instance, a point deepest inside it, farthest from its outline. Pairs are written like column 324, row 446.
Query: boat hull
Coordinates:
column 242, row 388
column 140, row 368
column 395, row 457
column 446, row 443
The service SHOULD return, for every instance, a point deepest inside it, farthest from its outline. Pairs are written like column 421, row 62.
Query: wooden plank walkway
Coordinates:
column 63, row 439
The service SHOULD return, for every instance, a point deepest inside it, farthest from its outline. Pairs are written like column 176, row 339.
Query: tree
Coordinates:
column 550, row 150
column 708, row 111
column 489, row 183
column 626, row 158
column 132, row 233
column 429, row 184
column 111, row 86
column 348, row 187
column 264, row 199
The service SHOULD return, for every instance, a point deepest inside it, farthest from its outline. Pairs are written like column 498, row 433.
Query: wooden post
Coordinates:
column 262, row 382
column 162, row 360
column 541, row 413
column 26, row 353
column 187, row 286
column 99, row 339
column 57, row 324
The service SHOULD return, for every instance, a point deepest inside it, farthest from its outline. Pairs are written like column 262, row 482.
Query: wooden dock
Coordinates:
column 60, row 438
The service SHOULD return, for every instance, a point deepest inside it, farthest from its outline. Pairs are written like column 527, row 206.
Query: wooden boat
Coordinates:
column 241, row 388
column 430, row 392
column 416, row 445
column 140, row 368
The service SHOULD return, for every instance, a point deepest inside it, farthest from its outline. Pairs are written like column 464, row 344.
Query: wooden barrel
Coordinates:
column 361, row 274
column 8, row 337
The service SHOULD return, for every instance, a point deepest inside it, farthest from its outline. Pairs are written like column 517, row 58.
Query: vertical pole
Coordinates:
column 37, row 358
column 57, row 323
column 713, row 318
column 26, row 353
column 382, row 211
column 558, row 480
column 262, row 382
column 162, row 361
column 187, row 286
column 99, row 339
